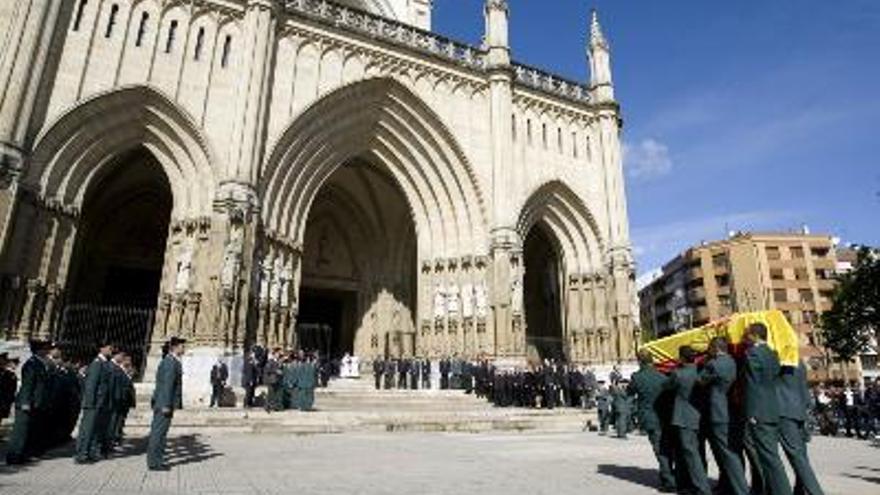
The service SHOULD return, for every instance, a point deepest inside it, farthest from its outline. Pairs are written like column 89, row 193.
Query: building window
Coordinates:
column 227, row 49
column 826, row 296
column 111, row 22
column 172, row 33
column 722, row 280
column 773, row 253
column 801, row 274
column 806, row 295
column 777, row 274
column 79, row 14
column 811, row 338
column 819, row 252
column 811, row 317
column 200, row 42
column 720, row 261
column 797, row 252
column 142, row 29
column 780, row 295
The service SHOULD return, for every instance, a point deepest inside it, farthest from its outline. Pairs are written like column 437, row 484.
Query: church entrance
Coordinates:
column 359, row 265
column 116, row 267
column 326, row 321
column 541, row 284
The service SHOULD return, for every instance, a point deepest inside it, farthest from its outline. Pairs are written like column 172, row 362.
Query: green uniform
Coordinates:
column 603, row 407
column 289, row 380
column 647, row 385
column 686, row 418
column 718, row 375
column 762, row 417
column 31, row 405
column 306, row 382
column 93, row 425
column 167, row 396
column 272, row 377
column 120, row 401
column 794, row 398
column 621, row 409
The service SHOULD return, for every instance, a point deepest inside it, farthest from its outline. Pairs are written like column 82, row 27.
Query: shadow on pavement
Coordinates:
column 636, row 475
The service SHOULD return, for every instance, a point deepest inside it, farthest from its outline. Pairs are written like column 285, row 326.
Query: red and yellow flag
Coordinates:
column 781, row 337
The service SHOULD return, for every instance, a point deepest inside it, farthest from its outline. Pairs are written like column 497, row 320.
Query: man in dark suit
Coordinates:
column 167, row 396
column 378, row 370
column 31, row 404
column 402, row 372
column 647, row 386
column 249, row 377
column 96, row 407
column 762, row 410
column 794, row 398
column 119, row 387
column 686, row 418
column 718, row 376
column 426, row 374
column 219, row 375
column 8, row 386
column 444, row 374
column 390, row 368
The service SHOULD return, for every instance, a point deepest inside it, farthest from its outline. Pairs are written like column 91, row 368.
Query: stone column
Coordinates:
column 22, row 66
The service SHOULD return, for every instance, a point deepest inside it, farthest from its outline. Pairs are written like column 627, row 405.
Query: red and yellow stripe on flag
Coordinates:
column 781, row 337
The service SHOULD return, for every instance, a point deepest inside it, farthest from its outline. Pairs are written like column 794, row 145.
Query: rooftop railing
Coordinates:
column 398, row 33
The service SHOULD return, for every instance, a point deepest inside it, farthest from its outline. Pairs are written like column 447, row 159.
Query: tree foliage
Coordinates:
column 849, row 327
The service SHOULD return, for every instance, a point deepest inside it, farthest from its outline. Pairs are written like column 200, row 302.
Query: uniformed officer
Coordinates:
column 272, row 377
column 167, row 396
column 718, row 376
column 30, row 404
column 378, row 370
column 686, row 418
column 119, row 385
column 306, row 380
column 762, row 409
column 794, row 397
column 603, row 407
column 620, row 407
column 8, row 386
column 647, row 386
column 289, row 383
column 426, row 374
column 96, row 407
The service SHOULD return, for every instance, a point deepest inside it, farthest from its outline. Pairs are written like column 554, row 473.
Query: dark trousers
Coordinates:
column 730, row 465
column 688, row 442
column 158, row 438
column 426, row 382
column 621, row 423
column 792, row 438
column 18, row 449
column 763, row 440
column 662, row 453
column 249, row 396
column 444, row 381
column 92, row 434
column 306, row 398
column 378, row 379
column 216, row 394
column 604, row 419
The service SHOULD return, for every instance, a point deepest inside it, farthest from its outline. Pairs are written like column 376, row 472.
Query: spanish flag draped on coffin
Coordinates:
column 781, row 338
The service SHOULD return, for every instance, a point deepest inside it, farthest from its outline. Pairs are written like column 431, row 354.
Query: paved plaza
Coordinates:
column 423, row 463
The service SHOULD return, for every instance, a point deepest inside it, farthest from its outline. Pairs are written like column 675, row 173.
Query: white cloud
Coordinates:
column 647, row 159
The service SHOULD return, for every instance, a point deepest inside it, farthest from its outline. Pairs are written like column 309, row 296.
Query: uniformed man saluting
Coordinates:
column 167, row 396
column 96, row 407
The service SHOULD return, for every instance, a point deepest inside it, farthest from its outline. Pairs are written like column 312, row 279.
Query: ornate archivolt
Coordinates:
column 70, row 153
column 382, row 122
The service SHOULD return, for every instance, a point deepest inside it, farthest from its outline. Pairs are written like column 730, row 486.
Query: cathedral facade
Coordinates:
column 325, row 174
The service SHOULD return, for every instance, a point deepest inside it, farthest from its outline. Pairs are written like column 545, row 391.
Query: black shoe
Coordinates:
column 87, row 460
column 163, row 467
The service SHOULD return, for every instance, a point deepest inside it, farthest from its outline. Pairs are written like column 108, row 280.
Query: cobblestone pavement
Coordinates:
column 419, row 463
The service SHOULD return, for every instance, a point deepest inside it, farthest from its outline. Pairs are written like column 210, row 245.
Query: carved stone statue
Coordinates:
column 467, row 300
column 453, row 301
column 184, row 270
column 439, row 302
column 266, row 278
column 232, row 254
column 516, row 294
column 481, row 294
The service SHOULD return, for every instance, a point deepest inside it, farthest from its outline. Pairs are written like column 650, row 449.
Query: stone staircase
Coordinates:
column 354, row 406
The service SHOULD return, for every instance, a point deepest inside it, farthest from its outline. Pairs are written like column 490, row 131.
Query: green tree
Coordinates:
column 848, row 328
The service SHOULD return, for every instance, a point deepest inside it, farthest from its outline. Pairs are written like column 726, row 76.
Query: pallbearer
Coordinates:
column 718, row 375
column 648, row 386
column 686, row 418
column 794, row 398
column 167, row 396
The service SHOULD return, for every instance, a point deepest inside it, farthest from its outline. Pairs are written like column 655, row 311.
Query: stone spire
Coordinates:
column 497, row 43
column 599, row 53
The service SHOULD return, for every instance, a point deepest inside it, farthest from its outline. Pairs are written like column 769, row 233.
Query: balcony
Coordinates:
column 695, row 272
column 696, row 294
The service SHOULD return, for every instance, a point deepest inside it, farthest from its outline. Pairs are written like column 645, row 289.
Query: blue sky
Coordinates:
column 741, row 115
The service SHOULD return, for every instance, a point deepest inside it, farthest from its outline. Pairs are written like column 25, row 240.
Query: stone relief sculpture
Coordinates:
column 439, row 302
column 516, row 291
column 481, row 294
column 467, row 300
column 453, row 301
column 232, row 254
column 184, row 270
